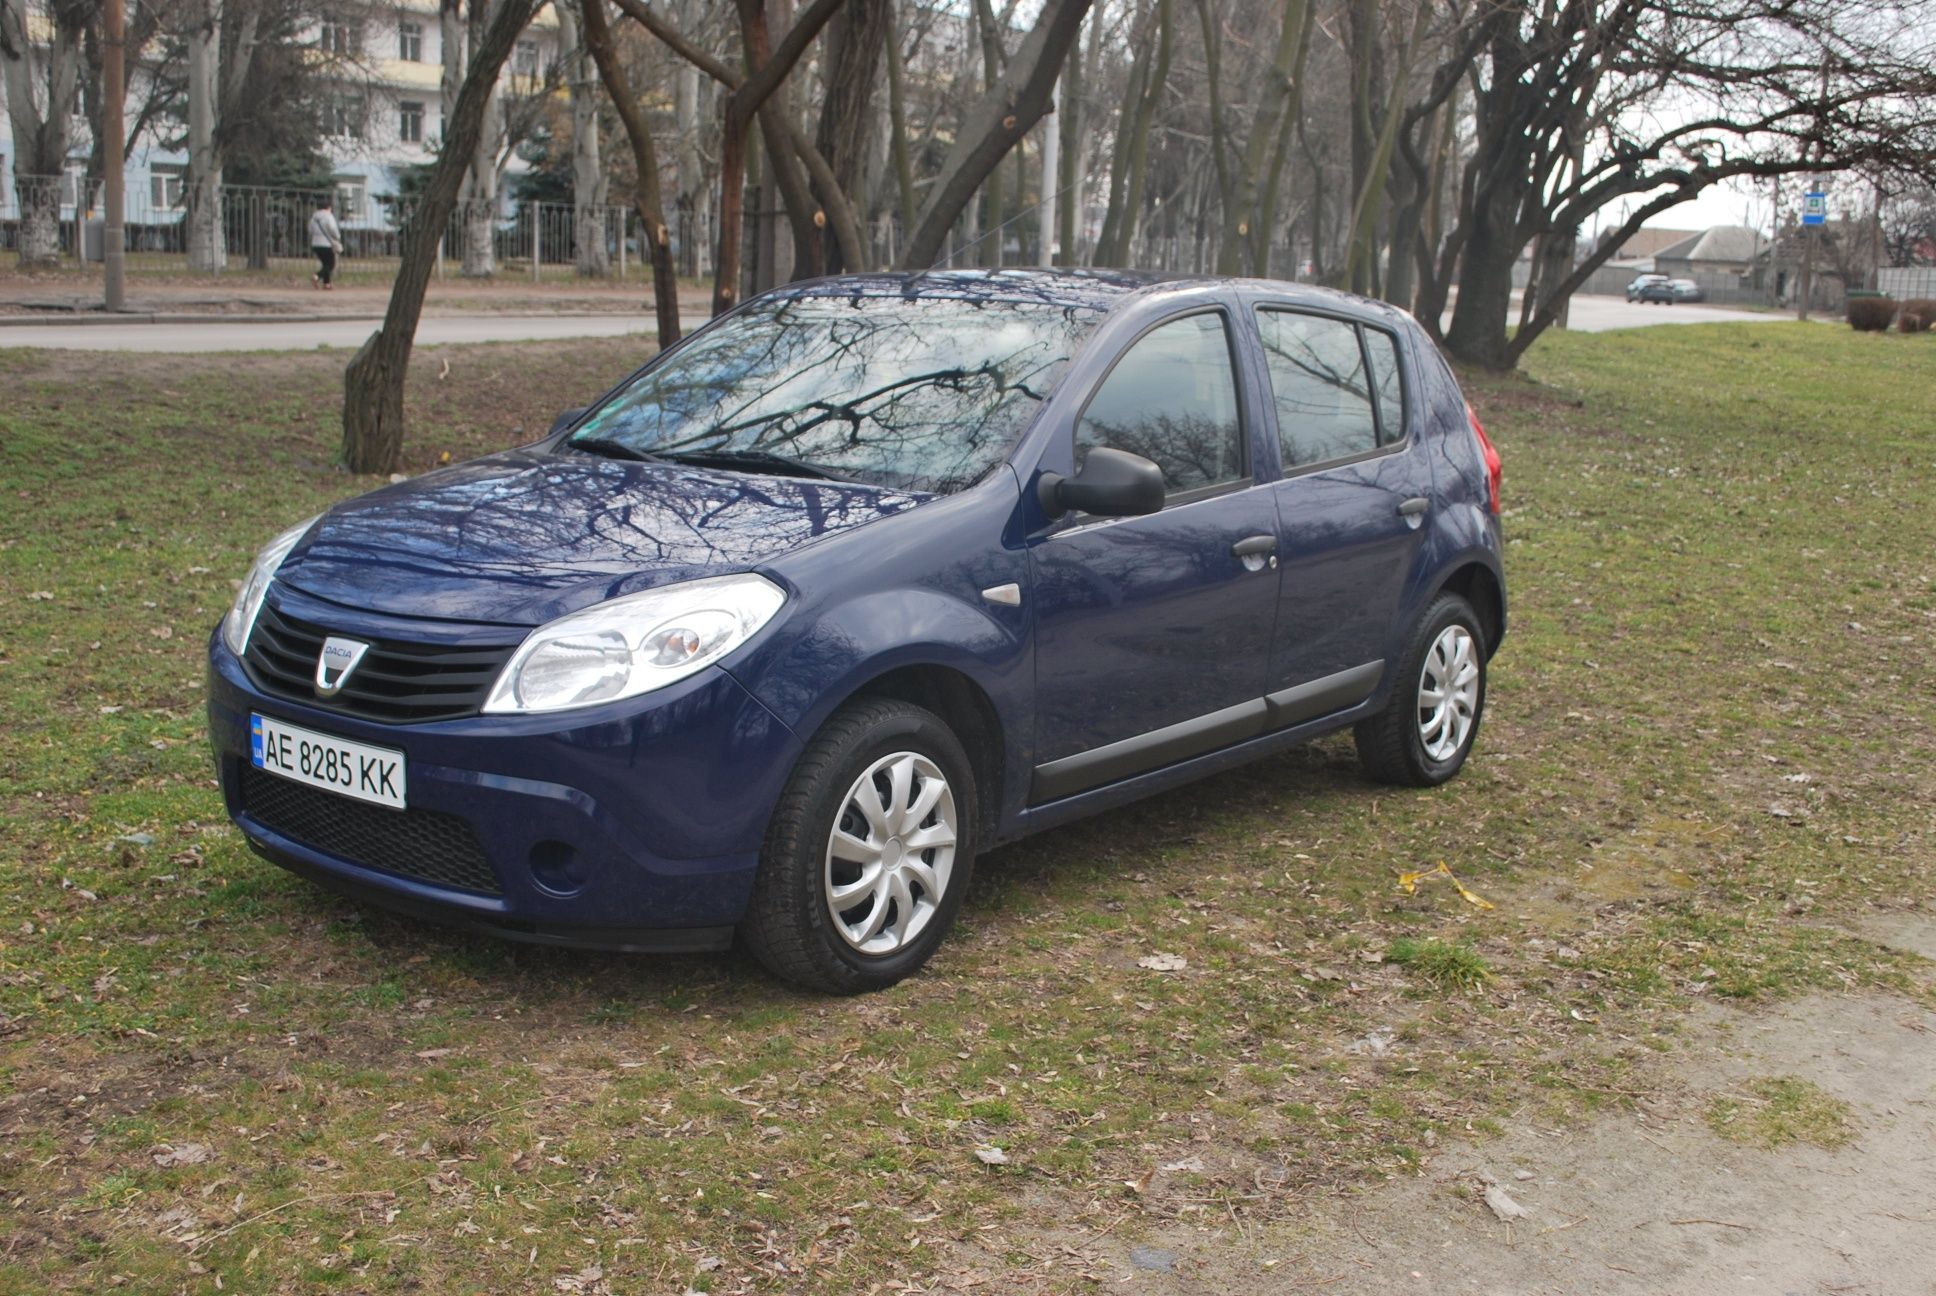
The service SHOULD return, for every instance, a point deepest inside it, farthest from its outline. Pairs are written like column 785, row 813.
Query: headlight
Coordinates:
column 248, row 600
column 632, row 645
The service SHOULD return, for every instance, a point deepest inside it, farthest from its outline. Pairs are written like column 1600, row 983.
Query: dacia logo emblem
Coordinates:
column 335, row 663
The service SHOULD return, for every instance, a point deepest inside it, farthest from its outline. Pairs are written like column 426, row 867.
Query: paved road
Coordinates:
column 233, row 334
column 1598, row 314
column 1589, row 315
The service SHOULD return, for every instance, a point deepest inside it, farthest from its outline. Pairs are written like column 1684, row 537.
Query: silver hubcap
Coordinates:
column 1448, row 692
column 891, row 853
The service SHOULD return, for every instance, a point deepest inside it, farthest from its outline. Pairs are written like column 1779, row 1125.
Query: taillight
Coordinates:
column 1494, row 469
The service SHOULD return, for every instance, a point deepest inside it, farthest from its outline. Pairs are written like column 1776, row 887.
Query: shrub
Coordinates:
column 1918, row 315
column 1871, row 314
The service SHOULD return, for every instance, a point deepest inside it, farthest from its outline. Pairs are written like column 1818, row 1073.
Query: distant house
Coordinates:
column 1639, row 249
column 1721, row 249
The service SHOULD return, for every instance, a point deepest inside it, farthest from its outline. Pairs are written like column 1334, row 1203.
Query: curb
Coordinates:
column 79, row 320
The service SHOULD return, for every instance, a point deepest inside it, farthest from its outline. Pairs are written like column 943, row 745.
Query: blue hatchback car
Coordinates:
column 860, row 580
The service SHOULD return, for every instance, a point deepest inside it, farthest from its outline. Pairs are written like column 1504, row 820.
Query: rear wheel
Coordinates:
column 1426, row 730
column 868, row 854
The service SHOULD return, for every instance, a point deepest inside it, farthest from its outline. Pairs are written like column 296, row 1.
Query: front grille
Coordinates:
column 397, row 683
column 421, row 844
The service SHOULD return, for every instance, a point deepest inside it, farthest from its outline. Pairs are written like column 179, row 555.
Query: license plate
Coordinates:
column 350, row 769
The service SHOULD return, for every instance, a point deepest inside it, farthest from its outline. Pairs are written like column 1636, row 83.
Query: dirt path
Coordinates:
column 1655, row 1202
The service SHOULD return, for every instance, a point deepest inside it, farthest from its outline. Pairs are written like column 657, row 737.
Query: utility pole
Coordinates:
column 1051, row 174
column 114, row 93
column 1808, row 231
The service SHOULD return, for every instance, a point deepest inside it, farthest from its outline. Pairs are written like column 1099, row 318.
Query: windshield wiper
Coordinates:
column 610, row 448
column 755, row 461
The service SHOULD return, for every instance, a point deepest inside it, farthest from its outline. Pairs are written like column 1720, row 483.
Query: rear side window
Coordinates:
column 1320, row 386
column 1382, row 348
column 1172, row 398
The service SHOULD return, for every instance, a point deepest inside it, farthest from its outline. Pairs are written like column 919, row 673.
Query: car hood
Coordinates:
column 523, row 537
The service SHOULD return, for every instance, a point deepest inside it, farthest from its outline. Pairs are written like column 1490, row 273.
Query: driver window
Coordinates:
column 1172, row 398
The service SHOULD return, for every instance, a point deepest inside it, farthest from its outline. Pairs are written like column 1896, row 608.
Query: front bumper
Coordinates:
column 630, row 826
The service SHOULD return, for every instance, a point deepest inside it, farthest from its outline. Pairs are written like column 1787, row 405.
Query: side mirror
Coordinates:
column 1111, row 483
column 566, row 418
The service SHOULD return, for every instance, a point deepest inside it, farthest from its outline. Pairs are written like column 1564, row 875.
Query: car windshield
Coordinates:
column 919, row 394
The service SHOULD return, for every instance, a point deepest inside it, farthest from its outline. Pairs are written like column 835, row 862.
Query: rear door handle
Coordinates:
column 1414, row 506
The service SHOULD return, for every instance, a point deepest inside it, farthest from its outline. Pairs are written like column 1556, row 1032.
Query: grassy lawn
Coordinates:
column 1711, row 753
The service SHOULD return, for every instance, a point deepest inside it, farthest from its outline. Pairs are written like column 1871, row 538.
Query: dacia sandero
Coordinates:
column 856, row 582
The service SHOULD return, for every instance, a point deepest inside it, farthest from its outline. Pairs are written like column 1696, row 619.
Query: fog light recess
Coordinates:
column 556, row 867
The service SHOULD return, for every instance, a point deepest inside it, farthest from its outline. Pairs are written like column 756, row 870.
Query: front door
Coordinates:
column 1152, row 633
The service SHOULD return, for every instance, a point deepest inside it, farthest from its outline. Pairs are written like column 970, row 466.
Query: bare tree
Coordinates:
column 41, row 85
column 645, row 190
column 373, row 427
column 994, row 124
column 589, row 184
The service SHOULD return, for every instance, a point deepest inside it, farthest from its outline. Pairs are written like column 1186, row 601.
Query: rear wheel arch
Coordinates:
column 1478, row 585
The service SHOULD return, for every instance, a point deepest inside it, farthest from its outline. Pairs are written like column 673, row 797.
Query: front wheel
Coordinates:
column 1426, row 730
column 869, row 852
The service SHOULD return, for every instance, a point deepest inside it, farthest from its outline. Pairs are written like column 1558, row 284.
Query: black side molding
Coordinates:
column 1204, row 733
column 1318, row 697
column 1165, row 746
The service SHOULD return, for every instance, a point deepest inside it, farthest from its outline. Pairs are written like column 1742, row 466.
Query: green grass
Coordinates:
column 1440, row 963
column 1781, row 1110
column 1718, row 551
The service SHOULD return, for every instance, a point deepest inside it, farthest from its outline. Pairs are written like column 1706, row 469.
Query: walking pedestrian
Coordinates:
column 325, row 240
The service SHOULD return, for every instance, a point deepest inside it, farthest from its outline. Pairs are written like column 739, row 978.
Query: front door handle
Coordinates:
column 1414, row 506
column 1256, row 553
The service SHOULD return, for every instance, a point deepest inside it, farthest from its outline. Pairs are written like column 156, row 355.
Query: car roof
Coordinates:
column 1094, row 289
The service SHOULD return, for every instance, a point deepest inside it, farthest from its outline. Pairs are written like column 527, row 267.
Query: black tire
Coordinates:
column 1390, row 745
column 789, row 925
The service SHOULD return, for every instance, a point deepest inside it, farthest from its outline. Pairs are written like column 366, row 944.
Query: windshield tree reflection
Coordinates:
column 916, row 394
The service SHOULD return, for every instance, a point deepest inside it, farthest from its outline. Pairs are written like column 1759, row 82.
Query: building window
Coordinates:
column 165, row 181
column 351, row 194
column 525, row 61
column 410, row 126
column 343, row 118
column 410, row 42
column 336, row 37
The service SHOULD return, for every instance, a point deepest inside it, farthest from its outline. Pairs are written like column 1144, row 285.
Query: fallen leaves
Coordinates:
column 169, row 1155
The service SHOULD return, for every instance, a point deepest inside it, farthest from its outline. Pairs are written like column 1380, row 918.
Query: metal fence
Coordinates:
column 268, row 229
column 1906, row 283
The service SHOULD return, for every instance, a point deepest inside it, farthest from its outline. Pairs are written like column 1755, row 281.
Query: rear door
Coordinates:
column 1351, row 503
column 1151, row 634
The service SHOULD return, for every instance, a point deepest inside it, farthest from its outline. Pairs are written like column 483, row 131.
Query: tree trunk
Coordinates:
column 897, row 131
column 373, row 426
column 1478, row 332
column 1158, row 81
column 39, row 221
column 482, row 205
column 204, row 183
column 1068, row 175
column 846, row 131
column 51, row 63
column 645, row 158
column 1248, row 220
column 588, row 183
